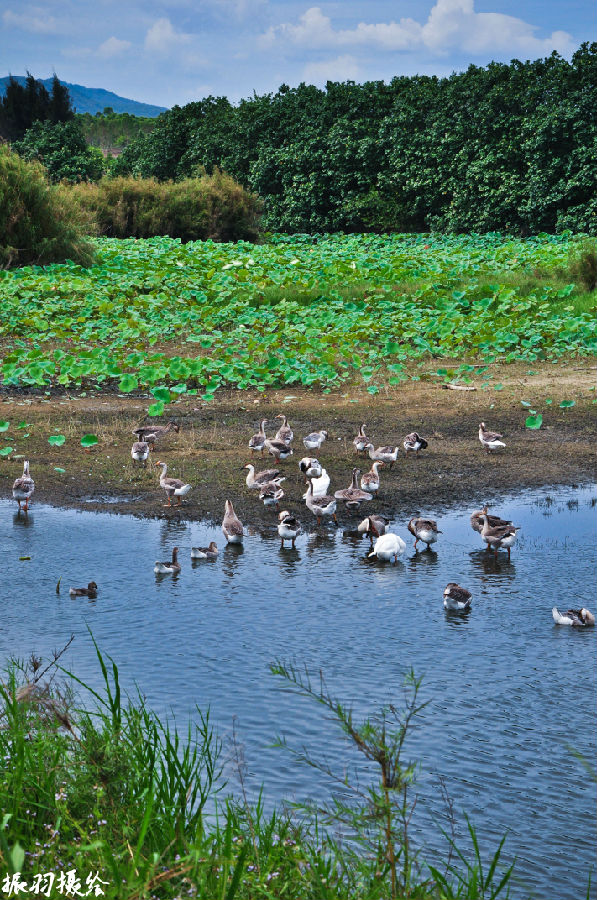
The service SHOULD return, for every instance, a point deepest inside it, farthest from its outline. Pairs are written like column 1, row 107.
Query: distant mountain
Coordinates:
column 92, row 100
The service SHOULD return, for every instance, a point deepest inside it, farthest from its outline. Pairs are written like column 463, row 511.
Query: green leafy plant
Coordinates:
column 89, row 440
column 534, row 421
column 56, row 440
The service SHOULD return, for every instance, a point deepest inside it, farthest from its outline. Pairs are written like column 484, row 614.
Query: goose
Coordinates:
column 374, row 526
column 425, row 530
column 271, row 493
column 501, row 537
column 383, row 454
column 140, row 452
column 314, row 440
column 232, row 525
column 388, row 546
column 370, row 480
column 490, row 440
column 320, row 485
column 255, row 480
column 456, row 598
column 174, row 487
column 321, row 506
column 257, row 442
column 170, row 567
column 23, row 487
column 414, row 441
column 289, row 527
column 310, row 467
column 284, row 432
column 152, row 433
column 210, row 552
column 361, row 441
column 89, row 591
column 494, row 521
column 578, row 618
column 277, row 448
column 353, row 496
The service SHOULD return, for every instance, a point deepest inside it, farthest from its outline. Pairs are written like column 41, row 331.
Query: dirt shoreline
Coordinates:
column 211, row 448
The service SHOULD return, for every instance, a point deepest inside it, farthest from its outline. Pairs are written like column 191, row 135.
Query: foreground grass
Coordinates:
column 109, row 791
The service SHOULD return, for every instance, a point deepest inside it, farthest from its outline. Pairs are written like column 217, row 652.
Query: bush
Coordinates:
column 582, row 266
column 63, row 151
column 212, row 207
column 38, row 223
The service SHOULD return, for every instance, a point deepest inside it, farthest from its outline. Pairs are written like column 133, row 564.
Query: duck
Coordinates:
column 500, row 537
column 310, row 466
column 456, row 598
column 322, row 505
column 152, row 433
column 383, row 454
column 353, row 496
column 271, row 493
column 490, row 440
column 320, row 485
column 255, row 480
column 140, row 452
column 374, row 526
column 370, row 480
column 314, row 440
column 277, row 448
column 23, row 488
column 415, row 442
column 494, row 521
column 257, row 442
column 361, row 441
column 210, row 552
column 170, row 567
column 284, row 432
column 289, row 527
column 388, row 546
column 425, row 530
column 89, row 591
column 174, row 487
column 232, row 526
column 578, row 618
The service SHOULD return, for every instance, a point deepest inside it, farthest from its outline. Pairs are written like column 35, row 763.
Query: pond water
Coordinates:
column 510, row 694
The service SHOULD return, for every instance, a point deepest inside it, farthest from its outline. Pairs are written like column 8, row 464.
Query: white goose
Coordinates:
column 490, row 440
column 321, row 506
column 577, row 618
column 310, row 466
column 289, row 527
column 232, row 526
column 456, row 598
column 320, row 485
column 314, row 440
column 23, row 487
column 388, row 546
column 174, row 487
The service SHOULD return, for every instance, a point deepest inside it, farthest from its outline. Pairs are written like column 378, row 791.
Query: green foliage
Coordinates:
column 210, row 207
column 22, row 105
column 62, row 150
column 583, row 265
column 110, row 130
column 38, row 224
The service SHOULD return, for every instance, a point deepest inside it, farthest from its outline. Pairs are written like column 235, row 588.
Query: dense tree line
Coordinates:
column 110, row 130
column 24, row 104
column 502, row 147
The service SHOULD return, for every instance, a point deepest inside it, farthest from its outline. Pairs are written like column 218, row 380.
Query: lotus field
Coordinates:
column 296, row 310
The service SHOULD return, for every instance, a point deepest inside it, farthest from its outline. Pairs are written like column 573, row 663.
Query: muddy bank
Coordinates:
column 211, row 448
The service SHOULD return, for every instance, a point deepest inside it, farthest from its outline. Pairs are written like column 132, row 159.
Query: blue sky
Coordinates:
column 174, row 51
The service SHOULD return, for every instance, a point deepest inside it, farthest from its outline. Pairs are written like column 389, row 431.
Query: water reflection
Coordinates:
column 489, row 564
column 423, row 559
column 231, row 556
column 23, row 519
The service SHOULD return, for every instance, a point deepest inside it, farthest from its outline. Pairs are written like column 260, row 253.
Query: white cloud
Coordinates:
column 35, row 20
column 451, row 25
column 113, row 47
column 343, row 68
column 163, row 39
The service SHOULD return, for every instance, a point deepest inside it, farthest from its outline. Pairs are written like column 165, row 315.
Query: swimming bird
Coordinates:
column 257, row 442
column 256, row 479
column 490, row 440
column 353, row 496
column 415, row 442
column 277, row 448
column 387, row 455
column 152, row 433
column 89, row 591
column 374, row 526
column 456, row 598
column 174, row 487
column 320, row 485
column 494, row 521
column 314, row 440
column 310, row 466
column 370, row 480
column 289, row 527
column 210, row 552
column 170, row 567
column 321, row 506
column 284, row 432
column 388, row 546
column 578, row 618
column 361, row 441
column 232, row 525
column 425, row 530
column 500, row 537
column 23, row 487
column 271, row 493
column 140, row 452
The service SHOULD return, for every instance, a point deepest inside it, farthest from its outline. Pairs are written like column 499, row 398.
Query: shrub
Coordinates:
column 212, row 207
column 38, row 223
column 63, row 151
column 582, row 266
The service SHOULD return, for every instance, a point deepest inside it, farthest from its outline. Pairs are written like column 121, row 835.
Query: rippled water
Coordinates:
column 509, row 692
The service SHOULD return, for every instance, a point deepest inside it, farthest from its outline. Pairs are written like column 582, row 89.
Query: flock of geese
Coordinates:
column 497, row 533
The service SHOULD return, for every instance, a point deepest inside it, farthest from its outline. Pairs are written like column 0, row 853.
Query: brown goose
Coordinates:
column 289, row 527
column 494, row 521
column 578, row 618
column 279, row 449
column 257, row 442
column 383, row 454
column 456, row 598
column 232, row 526
column 140, row 452
column 89, row 591
column 314, row 440
column 153, row 433
column 170, row 567
column 284, row 432
column 500, row 537
column 210, row 552
column 271, row 493
column 321, row 505
column 361, row 441
column 256, row 479
column 414, row 442
column 490, row 440
column 370, row 480
column 374, row 526
column 353, row 496
column 174, row 487
column 23, row 487
column 425, row 530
